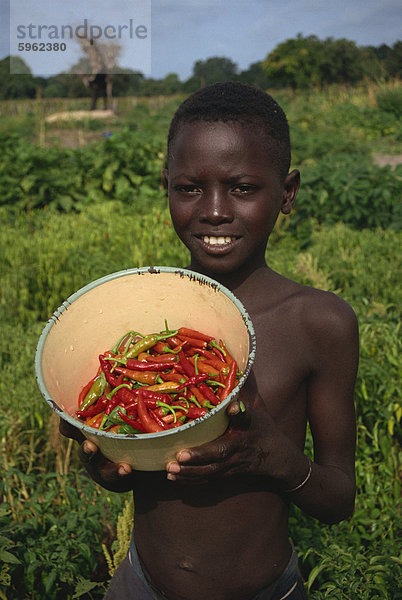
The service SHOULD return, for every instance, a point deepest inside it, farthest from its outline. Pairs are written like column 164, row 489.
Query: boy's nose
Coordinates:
column 216, row 208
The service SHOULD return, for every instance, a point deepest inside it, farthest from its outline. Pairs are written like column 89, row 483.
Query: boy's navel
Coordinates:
column 186, row 565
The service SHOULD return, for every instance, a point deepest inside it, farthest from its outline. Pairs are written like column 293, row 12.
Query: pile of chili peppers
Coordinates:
column 156, row 382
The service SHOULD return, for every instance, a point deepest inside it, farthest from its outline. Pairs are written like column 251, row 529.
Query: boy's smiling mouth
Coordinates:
column 217, row 245
column 212, row 240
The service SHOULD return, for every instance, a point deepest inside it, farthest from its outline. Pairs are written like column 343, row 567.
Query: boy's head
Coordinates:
column 238, row 103
column 227, row 176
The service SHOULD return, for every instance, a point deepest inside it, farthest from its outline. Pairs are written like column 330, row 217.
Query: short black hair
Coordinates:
column 232, row 101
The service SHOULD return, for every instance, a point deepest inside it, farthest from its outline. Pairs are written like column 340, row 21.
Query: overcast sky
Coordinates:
column 245, row 31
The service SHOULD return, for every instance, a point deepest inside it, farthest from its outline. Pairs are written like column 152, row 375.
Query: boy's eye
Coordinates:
column 187, row 189
column 244, row 188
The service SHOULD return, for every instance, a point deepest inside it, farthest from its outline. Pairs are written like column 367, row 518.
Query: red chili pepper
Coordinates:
column 93, row 410
column 131, row 409
column 132, row 422
column 164, row 358
column 174, row 341
column 194, row 342
column 227, row 357
column 186, row 365
column 147, row 377
column 146, row 394
column 208, row 393
column 160, row 347
column 210, row 358
column 106, row 368
column 95, row 421
column 162, row 424
column 193, row 333
column 178, row 423
column 204, row 367
column 137, row 365
column 198, row 395
column 113, row 402
column 171, row 377
column 218, row 351
column 230, row 381
column 144, row 365
column 126, row 396
column 194, row 380
column 170, row 418
column 150, row 425
column 193, row 412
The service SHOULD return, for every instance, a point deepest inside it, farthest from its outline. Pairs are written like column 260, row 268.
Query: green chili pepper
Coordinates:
column 208, row 404
column 113, row 418
column 147, row 342
column 127, row 429
column 132, row 334
column 96, row 391
column 195, row 401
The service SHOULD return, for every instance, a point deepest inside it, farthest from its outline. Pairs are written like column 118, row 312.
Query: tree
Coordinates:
column 295, row 62
column 307, row 61
column 19, row 85
column 255, row 75
column 171, row 84
column 342, row 61
column 214, row 69
column 393, row 62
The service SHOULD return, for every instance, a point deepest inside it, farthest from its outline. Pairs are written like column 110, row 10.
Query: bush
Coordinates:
column 349, row 189
column 114, row 168
column 390, row 101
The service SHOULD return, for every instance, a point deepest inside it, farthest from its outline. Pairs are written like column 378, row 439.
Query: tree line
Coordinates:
column 298, row 63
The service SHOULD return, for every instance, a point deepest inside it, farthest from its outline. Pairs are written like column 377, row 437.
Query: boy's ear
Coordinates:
column 290, row 189
column 164, row 179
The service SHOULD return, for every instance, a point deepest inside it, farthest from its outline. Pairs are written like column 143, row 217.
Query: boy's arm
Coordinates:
column 256, row 445
column 329, row 492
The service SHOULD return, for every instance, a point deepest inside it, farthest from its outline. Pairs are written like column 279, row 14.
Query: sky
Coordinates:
column 181, row 32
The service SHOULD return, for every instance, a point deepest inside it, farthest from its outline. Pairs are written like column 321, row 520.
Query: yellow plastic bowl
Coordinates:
column 91, row 320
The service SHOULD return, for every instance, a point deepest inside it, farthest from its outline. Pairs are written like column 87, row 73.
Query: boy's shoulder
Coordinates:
column 304, row 307
column 322, row 315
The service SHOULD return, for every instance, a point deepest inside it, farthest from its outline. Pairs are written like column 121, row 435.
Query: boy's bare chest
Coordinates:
column 282, row 366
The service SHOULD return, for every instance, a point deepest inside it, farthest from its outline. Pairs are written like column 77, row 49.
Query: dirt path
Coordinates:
column 387, row 159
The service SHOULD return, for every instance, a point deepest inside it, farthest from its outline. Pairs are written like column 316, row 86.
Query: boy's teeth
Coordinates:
column 212, row 240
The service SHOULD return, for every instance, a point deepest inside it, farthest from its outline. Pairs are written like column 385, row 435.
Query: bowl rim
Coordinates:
column 204, row 279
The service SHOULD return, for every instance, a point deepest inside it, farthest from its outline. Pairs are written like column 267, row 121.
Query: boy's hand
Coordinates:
column 252, row 444
column 116, row 477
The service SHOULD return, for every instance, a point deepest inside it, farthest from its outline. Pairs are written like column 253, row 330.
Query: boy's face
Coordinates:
column 225, row 193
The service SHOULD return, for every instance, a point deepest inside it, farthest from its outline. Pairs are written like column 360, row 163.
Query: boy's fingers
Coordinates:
column 70, row 431
column 211, row 452
column 88, row 450
column 239, row 415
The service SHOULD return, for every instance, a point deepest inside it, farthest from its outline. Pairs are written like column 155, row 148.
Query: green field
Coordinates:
column 79, row 200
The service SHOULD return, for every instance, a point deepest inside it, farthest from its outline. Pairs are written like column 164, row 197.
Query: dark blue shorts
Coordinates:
column 130, row 582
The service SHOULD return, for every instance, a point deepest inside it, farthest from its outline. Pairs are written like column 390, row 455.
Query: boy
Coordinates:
column 214, row 526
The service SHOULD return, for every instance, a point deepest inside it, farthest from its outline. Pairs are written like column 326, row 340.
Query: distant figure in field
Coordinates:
column 98, row 84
